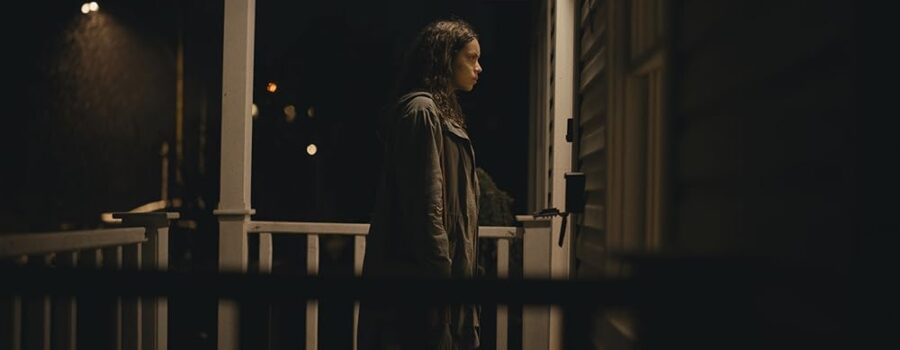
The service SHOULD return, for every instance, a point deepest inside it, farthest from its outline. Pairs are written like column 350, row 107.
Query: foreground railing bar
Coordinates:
column 322, row 228
column 312, row 306
column 14, row 245
column 293, row 287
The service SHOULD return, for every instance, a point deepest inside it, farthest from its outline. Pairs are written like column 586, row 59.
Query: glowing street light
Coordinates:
column 311, row 149
column 89, row 7
column 271, row 87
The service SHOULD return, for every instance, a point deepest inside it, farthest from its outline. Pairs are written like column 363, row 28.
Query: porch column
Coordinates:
column 234, row 194
column 564, row 66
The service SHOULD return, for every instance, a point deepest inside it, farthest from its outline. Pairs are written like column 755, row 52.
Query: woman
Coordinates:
column 426, row 216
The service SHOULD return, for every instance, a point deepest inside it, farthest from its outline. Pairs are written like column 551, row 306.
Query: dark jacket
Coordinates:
column 425, row 225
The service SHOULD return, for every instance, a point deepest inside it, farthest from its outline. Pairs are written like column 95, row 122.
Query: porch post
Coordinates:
column 234, row 209
column 564, row 66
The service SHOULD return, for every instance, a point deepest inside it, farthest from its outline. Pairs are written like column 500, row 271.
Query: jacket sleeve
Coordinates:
column 420, row 180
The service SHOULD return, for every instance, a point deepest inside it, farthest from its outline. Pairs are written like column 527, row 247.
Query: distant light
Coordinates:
column 311, row 149
column 89, row 7
column 290, row 113
column 254, row 111
column 311, row 112
column 271, row 87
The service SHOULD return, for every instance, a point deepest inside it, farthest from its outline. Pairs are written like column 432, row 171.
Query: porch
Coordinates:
column 696, row 125
column 45, row 316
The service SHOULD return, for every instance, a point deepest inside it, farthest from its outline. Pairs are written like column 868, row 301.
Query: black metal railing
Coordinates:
column 677, row 302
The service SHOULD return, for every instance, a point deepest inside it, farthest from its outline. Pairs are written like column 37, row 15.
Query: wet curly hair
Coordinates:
column 428, row 63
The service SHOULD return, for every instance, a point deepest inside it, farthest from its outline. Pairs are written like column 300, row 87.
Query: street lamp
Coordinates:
column 89, row 7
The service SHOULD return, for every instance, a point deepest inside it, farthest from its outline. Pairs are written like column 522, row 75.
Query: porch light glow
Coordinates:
column 311, row 149
column 271, row 87
column 89, row 7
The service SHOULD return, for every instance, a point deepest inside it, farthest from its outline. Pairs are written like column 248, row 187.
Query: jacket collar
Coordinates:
column 455, row 129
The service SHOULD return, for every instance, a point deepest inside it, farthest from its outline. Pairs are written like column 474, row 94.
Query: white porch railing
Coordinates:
column 538, row 246
column 140, row 323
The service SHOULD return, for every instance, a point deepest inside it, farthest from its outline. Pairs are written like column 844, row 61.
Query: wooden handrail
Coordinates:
column 14, row 245
column 500, row 232
column 308, row 227
column 333, row 228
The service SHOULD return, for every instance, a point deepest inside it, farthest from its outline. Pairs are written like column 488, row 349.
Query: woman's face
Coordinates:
column 466, row 67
